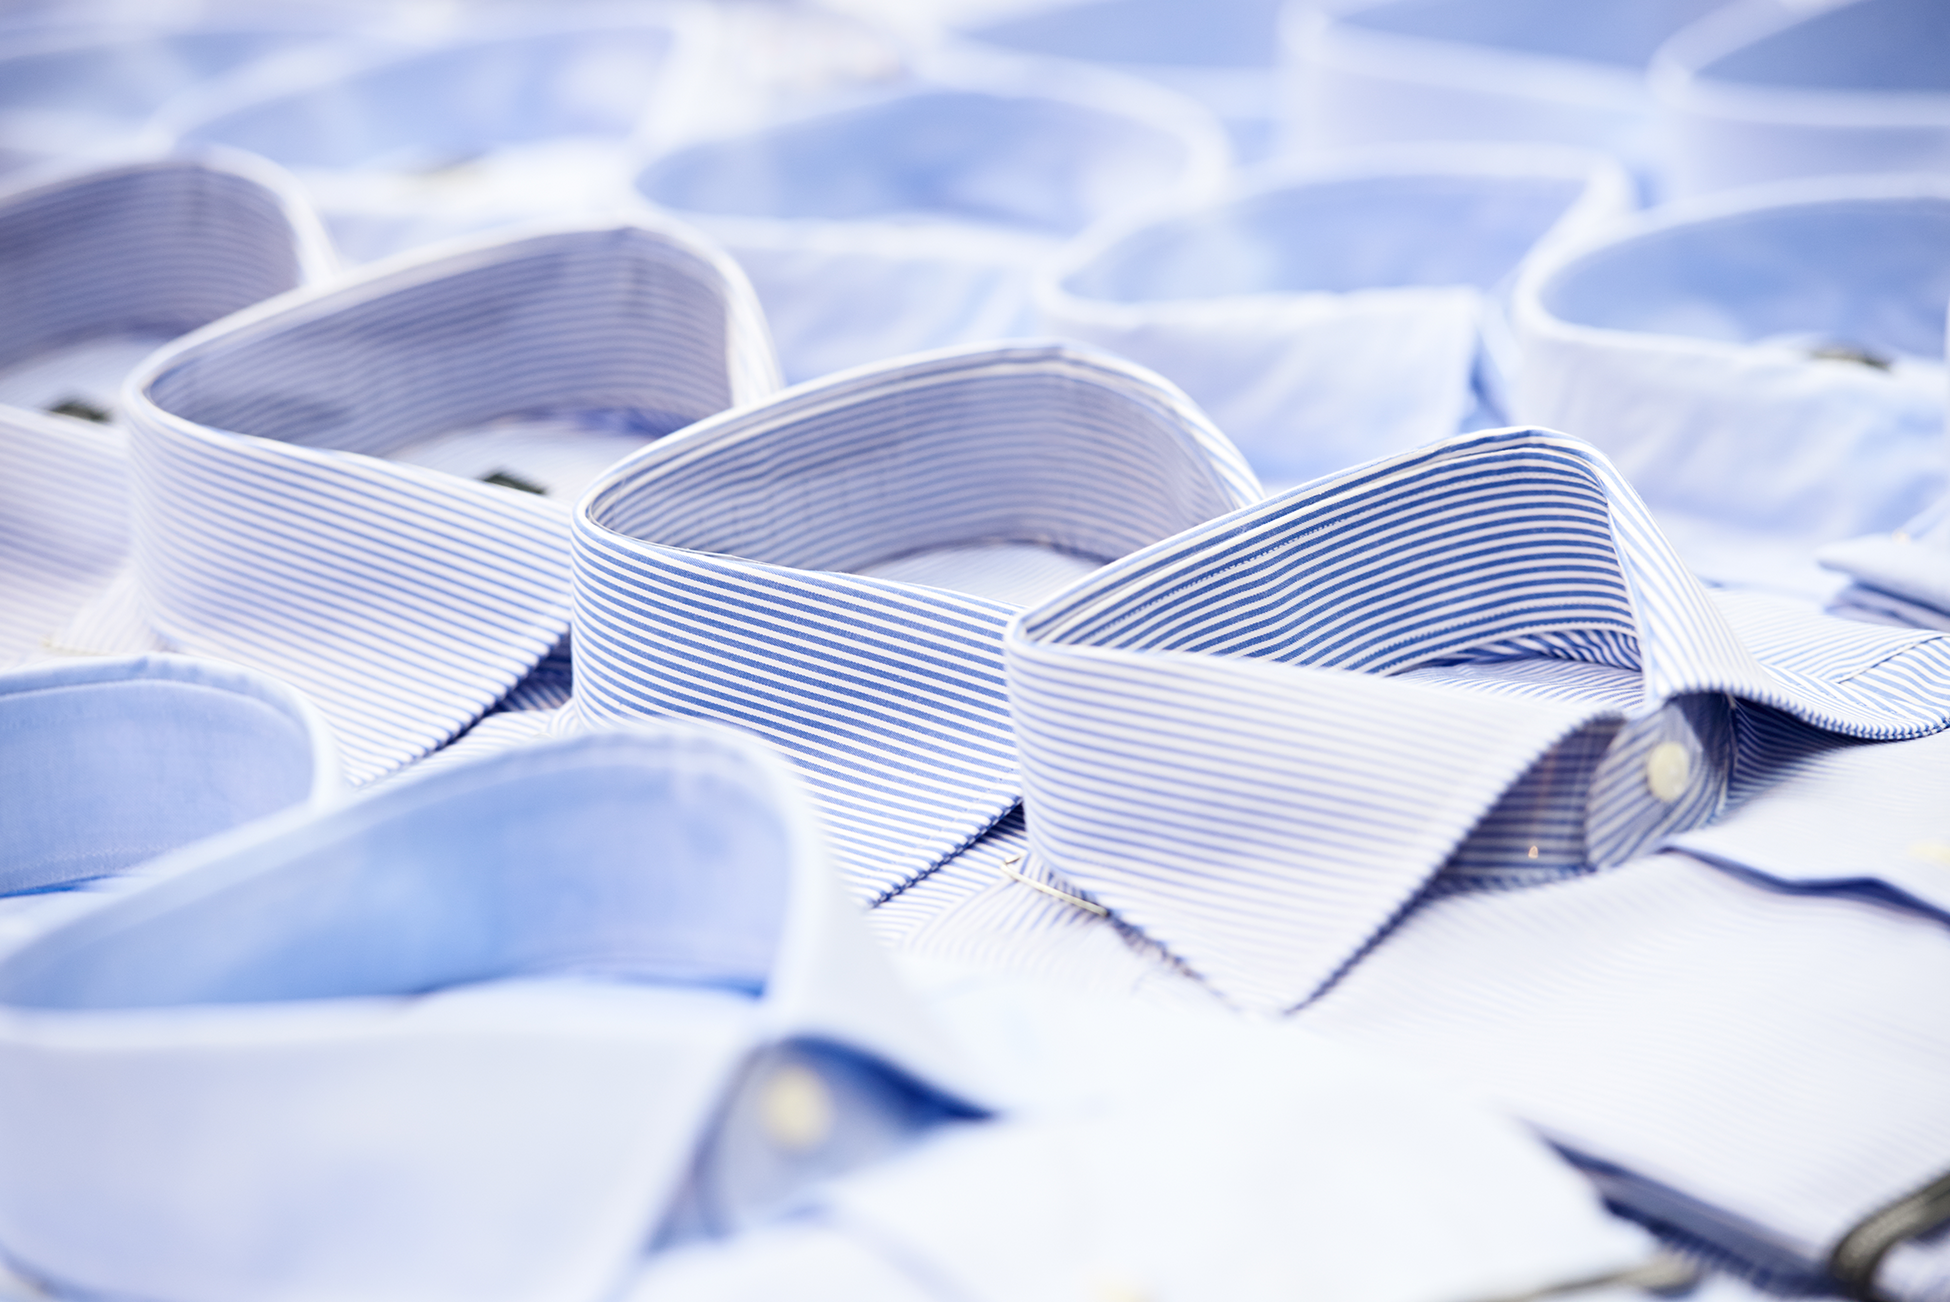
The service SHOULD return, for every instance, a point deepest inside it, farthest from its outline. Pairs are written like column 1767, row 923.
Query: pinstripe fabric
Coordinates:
column 272, row 529
column 725, row 573
column 1258, row 741
column 96, row 269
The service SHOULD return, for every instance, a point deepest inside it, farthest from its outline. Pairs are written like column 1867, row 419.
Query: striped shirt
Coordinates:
column 1258, row 741
column 97, row 269
column 364, row 489
column 832, row 569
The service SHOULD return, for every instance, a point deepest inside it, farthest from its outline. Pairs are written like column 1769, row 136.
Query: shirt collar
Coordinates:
column 1501, row 70
column 1910, row 564
column 857, row 206
column 280, row 523
column 1673, row 343
column 91, row 752
column 731, row 572
column 1760, row 91
column 98, row 267
column 1473, row 646
column 553, row 145
column 1330, row 311
column 554, row 963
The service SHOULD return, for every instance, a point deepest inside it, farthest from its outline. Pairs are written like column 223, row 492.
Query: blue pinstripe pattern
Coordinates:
column 718, row 572
column 405, row 601
column 1260, row 740
column 96, row 269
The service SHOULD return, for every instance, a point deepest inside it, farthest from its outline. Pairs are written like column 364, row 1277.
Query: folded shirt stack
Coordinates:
column 503, row 799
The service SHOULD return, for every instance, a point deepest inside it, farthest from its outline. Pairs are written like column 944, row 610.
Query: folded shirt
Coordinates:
column 914, row 220
column 1739, row 1056
column 1337, row 309
column 509, row 123
column 93, row 778
column 1405, row 70
column 97, row 269
column 1765, row 90
column 477, row 1036
column 72, row 88
column 1766, row 367
column 831, row 569
column 1467, row 667
column 1097, row 1180
column 1224, row 54
column 1901, row 577
column 363, row 489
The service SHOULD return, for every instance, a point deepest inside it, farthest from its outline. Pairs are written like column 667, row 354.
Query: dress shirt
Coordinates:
column 1331, row 311
column 97, row 269
column 1258, row 741
column 1372, row 71
column 1341, row 1179
column 1766, row 367
column 475, row 1037
column 73, row 90
column 1222, row 54
column 1901, row 578
column 832, row 569
column 400, row 148
column 1748, row 1056
column 364, row 489
column 914, row 221
column 93, row 771
column 1766, row 90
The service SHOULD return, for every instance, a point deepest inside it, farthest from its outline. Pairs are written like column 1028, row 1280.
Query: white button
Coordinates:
column 1936, row 852
column 1667, row 771
column 1117, row 1288
column 796, row 1109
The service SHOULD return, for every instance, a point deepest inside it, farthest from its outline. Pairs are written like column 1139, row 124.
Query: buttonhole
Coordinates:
column 507, row 480
column 80, row 409
column 1839, row 352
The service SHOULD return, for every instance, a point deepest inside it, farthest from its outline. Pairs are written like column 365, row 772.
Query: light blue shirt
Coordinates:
column 1765, row 367
column 1224, row 54
column 1339, row 308
column 513, row 123
column 107, row 763
column 1767, row 90
column 1368, row 72
column 914, row 221
column 474, row 1037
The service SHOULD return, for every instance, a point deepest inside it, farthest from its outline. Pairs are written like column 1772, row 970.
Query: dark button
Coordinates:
column 80, row 409
column 507, row 480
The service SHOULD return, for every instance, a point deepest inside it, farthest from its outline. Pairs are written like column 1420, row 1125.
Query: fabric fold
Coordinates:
column 1483, row 649
column 364, row 489
column 832, row 570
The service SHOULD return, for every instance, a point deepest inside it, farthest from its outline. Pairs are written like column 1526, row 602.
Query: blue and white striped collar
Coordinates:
column 1338, row 308
column 97, row 268
column 472, row 1037
column 832, row 568
column 309, row 495
column 1764, row 366
column 1258, row 741
column 1767, row 90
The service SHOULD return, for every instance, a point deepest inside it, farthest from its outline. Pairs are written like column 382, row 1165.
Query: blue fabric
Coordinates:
column 105, row 764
